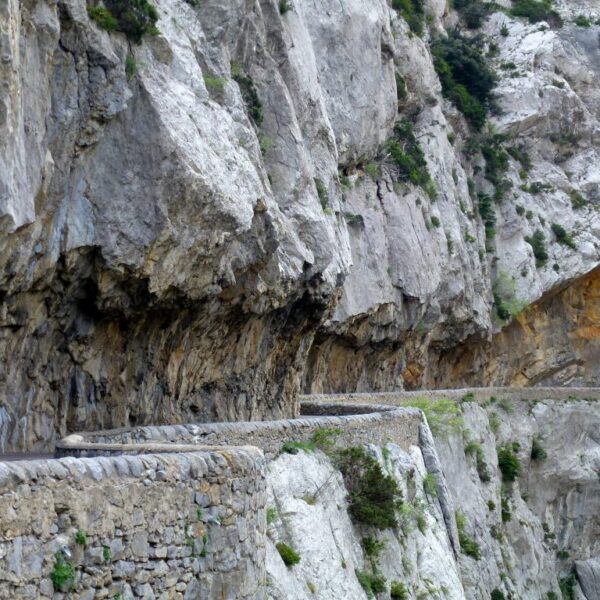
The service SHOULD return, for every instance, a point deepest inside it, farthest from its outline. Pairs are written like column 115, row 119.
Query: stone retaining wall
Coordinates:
column 478, row 395
column 189, row 525
column 363, row 425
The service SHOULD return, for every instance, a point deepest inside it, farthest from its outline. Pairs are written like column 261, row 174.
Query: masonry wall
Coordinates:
column 172, row 526
column 400, row 426
column 481, row 394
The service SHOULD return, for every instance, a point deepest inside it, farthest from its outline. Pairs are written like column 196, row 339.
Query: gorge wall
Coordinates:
column 197, row 227
column 155, row 513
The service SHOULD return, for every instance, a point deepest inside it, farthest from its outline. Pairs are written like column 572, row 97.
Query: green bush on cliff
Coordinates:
column 508, row 463
column 134, row 18
column 409, row 158
column 372, row 583
column 536, row 11
column 289, row 556
column 466, row 79
column 468, row 545
column 373, row 496
column 398, row 591
column 413, row 12
column 537, row 450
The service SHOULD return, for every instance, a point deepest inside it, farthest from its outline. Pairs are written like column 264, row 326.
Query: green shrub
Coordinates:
column 322, row 193
column 285, row 6
column 487, row 212
column 577, row 200
column 130, row 67
column 249, row 94
column 562, row 237
column 324, row 438
column 134, row 18
column 551, row 596
column 537, row 187
column 505, row 297
column 505, row 511
column 398, row 591
column 496, row 159
column 293, row 447
column 537, row 450
column 106, row 554
column 491, row 505
column 430, row 485
column 63, row 573
column 271, row 515
column 582, row 21
column 521, row 155
column 536, row 11
column 373, row 496
column 472, row 12
column 289, row 556
column 81, row 537
column 435, row 222
column 400, row 87
column 102, row 17
column 372, row 548
column 372, row 170
column 412, row 12
column 473, row 448
column 468, row 545
column 567, row 587
column 508, row 463
column 466, row 79
column 537, row 241
column 408, row 156
column 497, row 595
column 372, row 583
column 504, row 30
column 442, row 415
column 215, row 85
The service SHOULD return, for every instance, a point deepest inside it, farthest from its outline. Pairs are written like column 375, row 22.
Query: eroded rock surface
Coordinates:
column 191, row 230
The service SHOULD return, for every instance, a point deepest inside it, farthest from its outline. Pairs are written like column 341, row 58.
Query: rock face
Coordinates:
column 521, row 538
column 177, row 242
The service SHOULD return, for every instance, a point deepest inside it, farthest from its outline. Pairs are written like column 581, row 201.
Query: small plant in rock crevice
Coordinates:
column 373, row 548
column 408, row 157
column 249, row 94
column 537, row 241
column 505, row 510
column 468, row 545
column 430, row 485
column 562, row 237
column 372, row 583
column 81, row 538
column 289, row 556
column 537, row 450
column 398, row 591
column 285, row 6
column 63, row 573
column 271, row 515
column 473, row 448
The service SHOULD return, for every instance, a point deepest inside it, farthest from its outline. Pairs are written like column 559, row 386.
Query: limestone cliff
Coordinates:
column 197, row 226
column 530, row 534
